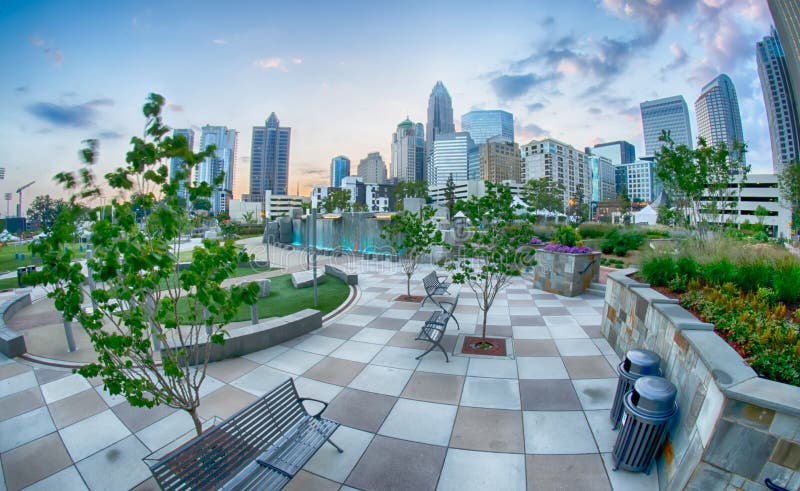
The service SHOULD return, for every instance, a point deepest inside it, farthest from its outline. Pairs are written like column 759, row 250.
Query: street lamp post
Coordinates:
column 314, row 240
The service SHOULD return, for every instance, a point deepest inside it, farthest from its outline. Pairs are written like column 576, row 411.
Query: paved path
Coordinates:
column 539, row 421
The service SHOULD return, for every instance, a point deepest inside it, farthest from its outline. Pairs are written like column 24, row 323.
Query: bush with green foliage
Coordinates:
column 786, row 280
column 719, row 271
column 621, row 242
column 687, row 267
column 753, row 274
column 659, row 270
column 568, row 236
column 595, row 230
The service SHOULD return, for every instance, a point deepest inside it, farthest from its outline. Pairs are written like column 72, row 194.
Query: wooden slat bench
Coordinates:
column 260, row 447
column 433, row 329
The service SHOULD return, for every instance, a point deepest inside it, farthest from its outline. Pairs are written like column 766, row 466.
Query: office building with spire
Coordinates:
column 219, row 163
column 440, row 119
column 670, row 114
column 717, row 112
column 408, row 152
column 269, row 159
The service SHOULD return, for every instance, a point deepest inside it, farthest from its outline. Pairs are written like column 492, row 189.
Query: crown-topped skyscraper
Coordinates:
column 440, row 118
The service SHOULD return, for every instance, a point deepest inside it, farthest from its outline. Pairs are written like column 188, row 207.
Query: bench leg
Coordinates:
column 334, row 445
column 433, row 345
column 458, row 326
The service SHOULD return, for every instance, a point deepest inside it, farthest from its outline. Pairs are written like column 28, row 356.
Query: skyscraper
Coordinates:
column 482, row 125
column 440, row 118
column 372, row 169
column 786, row 14
column 618, row 152
column 175, row 163
column 717, row 112
column 222, row 161
column 670, row 114
column 450, row 157
column 779, row 101
column 269, row 159
column 340, row 167
column 500, row 160
column 559, row 162
column 407, row 151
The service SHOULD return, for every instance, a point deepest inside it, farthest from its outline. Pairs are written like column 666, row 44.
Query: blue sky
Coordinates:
column 343, row 74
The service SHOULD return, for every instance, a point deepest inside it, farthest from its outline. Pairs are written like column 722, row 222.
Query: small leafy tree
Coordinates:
column 44, row 210
column 146, row 321
column 337, row 200
column 412, row 235
column 450, row 196
column 496, row 252
column 761, row 213
column 789, row 182
column 409, row 189
column 249, row 217
column 544, row 194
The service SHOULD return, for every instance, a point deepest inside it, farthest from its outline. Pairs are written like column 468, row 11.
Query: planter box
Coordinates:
column 565, row 274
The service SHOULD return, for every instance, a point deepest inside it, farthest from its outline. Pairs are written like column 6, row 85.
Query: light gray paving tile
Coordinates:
column 541, row 367
column 265, row 355
column 532, row 310
column 484, row 367
column 373, row 335
column 356, row 351
column 457, row 365
column 577, row 347
column 210, row 384
column 17, row 383
column 467, row 470
column 399, row 313
column 321, row 345
column 381, row 380
column 567, row 331
column 166, row 430
column 418, row 421
column 329, row 463
column 124, row 457
column 603, row 346
column 630, row 481
column 557, row 432
column 490, row 393
column 94, row 433
column 66, row 480
column 596, row 393
column 392, row 356
column 588, row 317
column 25, row 428
column 65, row 387
column 412, row 326
column 295, row 361
column 355, row 319
column 110, row 400
column 601, row 427
column 531, row 332
column 315, row 389
column 261, row 380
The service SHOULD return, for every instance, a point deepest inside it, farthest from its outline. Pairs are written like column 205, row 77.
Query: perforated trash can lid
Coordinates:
column 642, row 362
column 654, row 395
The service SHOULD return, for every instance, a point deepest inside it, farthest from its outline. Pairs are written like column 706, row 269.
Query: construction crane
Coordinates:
column 19, row 193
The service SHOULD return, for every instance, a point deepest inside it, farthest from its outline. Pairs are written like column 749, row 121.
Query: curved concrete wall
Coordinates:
column 12, row 343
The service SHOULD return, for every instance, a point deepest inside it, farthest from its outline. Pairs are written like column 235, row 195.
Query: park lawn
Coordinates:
column 285, row 299
column 239, row 271
column 7, row 283
column 9, row 262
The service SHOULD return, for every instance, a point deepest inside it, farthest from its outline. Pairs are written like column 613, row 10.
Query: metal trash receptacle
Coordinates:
column 648, row 412
column 637, row 363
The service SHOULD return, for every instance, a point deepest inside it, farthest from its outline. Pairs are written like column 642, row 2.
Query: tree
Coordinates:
column 789, row 182
column 412, row 235
column 666, row 216
column 202, row 204
column 495, row 253
column 44, row 210
column 581, row 207
column 249, row 217
column 359, row 207
column 409, row 189
column 761, row 213
column 625, row 204
column 450, row 196
column 544, row 194
column 147, row 321
column 336, row 200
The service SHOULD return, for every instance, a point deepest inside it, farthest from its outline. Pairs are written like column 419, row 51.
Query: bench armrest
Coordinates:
column 449, row 310
column 324, row 405
column 440, row 276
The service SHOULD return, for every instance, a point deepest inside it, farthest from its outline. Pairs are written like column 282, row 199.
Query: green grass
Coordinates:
column 285, row 299
column 7, row 283
column 240, row 271
column 8, row 262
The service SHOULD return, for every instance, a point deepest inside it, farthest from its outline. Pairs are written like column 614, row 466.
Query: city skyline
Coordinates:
column 577, row 77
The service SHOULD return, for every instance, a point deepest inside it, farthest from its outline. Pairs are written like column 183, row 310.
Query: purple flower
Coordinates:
column 535, row 241
column 568, row 249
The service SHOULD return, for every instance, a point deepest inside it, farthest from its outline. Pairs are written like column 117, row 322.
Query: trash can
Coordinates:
column 648, row 412
column 637, row 363
column 22, row 271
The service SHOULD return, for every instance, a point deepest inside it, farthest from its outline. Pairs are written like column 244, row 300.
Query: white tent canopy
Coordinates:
column 646, row 216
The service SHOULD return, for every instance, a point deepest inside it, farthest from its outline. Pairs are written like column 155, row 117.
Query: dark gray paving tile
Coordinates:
column 491, row 430
column 553, row 311
column 548, row 395
column 434, row 387
column 495, row 330
column 294, row 342
column 335, row 371
column 544, row 296
column 535, row 347
column 231, row 369
column 422, row 315
column 34, row 461
column 405, row 339
column 45, row 375
column 304, row 481
column 391, row 464
column 341, row 331
column 527, row 320
column 76, row 407
column 593, row 331
column 587, row 367
column 406, row 305
column 388, row 323
column 148, row 485
column 138, row 418
column 367, row 310
column 223, row 402
column 560, row 472
column 9, row 370
column 519, row 303
column 20, row 402
column 358, row 409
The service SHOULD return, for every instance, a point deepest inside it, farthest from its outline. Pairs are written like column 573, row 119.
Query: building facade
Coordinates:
column 482, row 125
column 618, row 152
column 560, row 162
column 176, row 164
column 340, row 168
column 604, row 181
column 641, row 185
column 279, row 205
column 786, row 15
column 717, row 112
column 440, row 120
column 220, row 163
column 499, row 160
column 407, row 152
column 782, row 114
column 269, row 158
column 372, row 169
column 670, row 114
column 467, row 189
column 450, row 157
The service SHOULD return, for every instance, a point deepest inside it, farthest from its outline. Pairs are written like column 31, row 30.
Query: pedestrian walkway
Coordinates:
column 538, row 421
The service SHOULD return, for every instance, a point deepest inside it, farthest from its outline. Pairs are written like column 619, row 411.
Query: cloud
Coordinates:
column 595, row 110
column 508, row 87
column 654, row 14
column 177, row 108
column 631, row 113
column 548, row 21
column 726, row 41
column 37, row 41
column 271, row 63
column 536, row 130
column 21, row 89
column 297, row 61
column 55, row 55
column 679, row 58
column 69, row 115
column 109, row 135
column 220, row 41
column 102, row 102
column 536, row 106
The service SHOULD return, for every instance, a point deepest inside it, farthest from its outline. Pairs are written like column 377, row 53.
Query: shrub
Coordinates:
column 656, row 234
column 621, row 242
column 786, row 280
column 678, row 284
column 687, row 267
column 719, row 271
column 752, row 275
column 567, row 236
column 595, row 230
column 659, row 270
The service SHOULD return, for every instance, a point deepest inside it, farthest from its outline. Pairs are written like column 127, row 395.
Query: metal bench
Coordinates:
column 433, row 329
column 434, row 286
column 260, row 447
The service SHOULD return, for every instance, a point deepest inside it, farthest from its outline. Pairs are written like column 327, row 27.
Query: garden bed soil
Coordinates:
column 410, row 298
column 470, row 346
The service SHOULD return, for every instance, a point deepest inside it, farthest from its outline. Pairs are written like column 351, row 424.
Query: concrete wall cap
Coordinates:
column 725, row 364
column 780, row 397
column 681, row 318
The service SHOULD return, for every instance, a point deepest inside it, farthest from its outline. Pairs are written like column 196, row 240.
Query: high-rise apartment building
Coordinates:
column 670, row 114
column 450, row 157
column 717, row 112
column 269, row 158
column 407, row 152
column 221, row 162
column 786, row 15
column 784, row 124
column 500, row 160
column 641, row 185
column 559, row 162
column 372, row 169
column 440, row 119
column 340, row 168
column 618, row 152
column 175, row 164
column 482, row 125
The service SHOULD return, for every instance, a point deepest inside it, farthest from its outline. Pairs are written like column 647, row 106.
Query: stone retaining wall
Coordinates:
column 12, row 343
column 565, row 274
column 734, row 429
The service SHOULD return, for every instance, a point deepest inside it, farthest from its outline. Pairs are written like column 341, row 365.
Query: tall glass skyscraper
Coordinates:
column 670, row 114
column 176, row 163
column 717, row 111
column 269, row 159
column 222, row 161
column 786, row 14
column 440, row 118
column 482, row 125
column 408, row 151
column 779, row 101
column 450, row 157
column 618, row 152
column 340, row 167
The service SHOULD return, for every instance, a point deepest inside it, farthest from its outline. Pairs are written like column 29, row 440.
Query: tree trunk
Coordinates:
column 408, row 285
column 483, row 329
column 198, row 425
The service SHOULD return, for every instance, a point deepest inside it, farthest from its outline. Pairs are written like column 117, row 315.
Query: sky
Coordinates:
column 343, row 74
